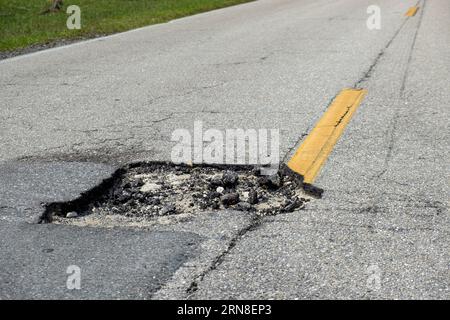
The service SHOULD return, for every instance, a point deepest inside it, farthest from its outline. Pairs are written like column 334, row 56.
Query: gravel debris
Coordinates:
column 155, row 190
column 229, row 199
column 272, row 182
column 252, row 197
column 244, row 206
column 230, row 178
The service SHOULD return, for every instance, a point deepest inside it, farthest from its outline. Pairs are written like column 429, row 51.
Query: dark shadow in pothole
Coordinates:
column 156, row 189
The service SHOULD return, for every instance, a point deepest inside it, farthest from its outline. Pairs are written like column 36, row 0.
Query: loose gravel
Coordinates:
column 156, row 190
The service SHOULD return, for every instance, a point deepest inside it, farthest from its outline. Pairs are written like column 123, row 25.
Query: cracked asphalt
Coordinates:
column 70, row 116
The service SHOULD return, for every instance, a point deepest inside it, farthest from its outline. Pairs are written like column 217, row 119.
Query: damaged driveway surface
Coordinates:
column 71, row 116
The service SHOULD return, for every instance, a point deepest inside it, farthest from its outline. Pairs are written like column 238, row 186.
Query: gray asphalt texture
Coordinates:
column 71, row 115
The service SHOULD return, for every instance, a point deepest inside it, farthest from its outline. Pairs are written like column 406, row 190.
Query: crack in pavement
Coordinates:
column 374, row 229
column 255, row 223
column 394, row 122
column 250, row 61
column 187, row 93
column 366, row 76
column 413, row 45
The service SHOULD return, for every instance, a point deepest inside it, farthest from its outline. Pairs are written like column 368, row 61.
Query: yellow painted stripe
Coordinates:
column 315, row 149
column 411, row 11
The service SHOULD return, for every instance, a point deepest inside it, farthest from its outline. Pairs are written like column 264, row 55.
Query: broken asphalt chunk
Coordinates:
column 229, row 199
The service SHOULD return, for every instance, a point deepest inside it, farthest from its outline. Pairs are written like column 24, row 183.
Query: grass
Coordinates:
column 22, row 23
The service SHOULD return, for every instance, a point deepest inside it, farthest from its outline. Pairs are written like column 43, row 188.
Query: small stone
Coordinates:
column 124, row 197
column 272, row 182
column 130, row 203
column 216, row 180
column 152, row 201
column 230, row 199
column 169, row 209
column 312, row 190
column 72, row 214
column 291, row 205
column 275, row 181
column 244, row 206
column 216, row 205
column 252, row 197
column 263, row 181
column 220, row 189
column 230, row 178
column 136, row 183
column 214, row 195
column 115, row 210
column 138, row 196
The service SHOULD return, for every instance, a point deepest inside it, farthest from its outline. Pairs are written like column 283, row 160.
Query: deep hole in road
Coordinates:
column 157, row 189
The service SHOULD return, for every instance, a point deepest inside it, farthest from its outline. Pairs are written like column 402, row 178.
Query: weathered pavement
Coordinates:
column 71, row 115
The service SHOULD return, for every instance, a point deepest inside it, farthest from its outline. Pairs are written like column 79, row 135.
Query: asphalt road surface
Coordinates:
column 70, row 116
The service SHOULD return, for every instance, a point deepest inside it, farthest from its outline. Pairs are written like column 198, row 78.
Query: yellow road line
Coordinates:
column 411, row 11
column 314, row 151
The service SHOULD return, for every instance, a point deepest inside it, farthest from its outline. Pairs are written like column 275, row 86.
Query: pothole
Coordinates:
column 151, row 192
